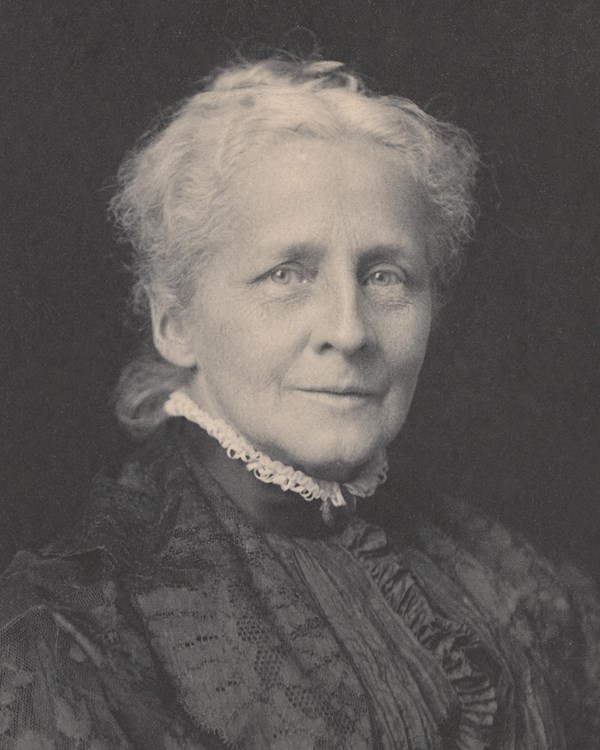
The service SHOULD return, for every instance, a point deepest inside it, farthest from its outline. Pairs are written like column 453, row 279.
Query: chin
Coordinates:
column 338, row 461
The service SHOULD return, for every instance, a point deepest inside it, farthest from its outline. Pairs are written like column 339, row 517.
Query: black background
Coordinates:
column 507, row 413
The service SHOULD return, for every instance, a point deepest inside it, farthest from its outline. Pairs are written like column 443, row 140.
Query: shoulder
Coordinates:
column 118, row 525
column 502, row 566
column 74, row 665
column 550, row 607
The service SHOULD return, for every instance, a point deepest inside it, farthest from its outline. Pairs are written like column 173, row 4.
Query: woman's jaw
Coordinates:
column 327, row 435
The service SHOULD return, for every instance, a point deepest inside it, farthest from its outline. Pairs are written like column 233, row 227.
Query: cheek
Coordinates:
column 243, row 353
column 216, row 341
column 228, row 355
column 407, row 344
column 417, row 350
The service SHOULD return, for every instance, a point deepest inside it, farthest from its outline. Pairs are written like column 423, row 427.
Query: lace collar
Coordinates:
column 270, row 471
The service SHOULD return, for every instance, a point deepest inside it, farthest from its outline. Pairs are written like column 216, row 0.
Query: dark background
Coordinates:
column 507, row 413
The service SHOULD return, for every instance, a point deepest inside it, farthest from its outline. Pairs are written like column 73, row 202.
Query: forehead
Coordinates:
column 304, row 185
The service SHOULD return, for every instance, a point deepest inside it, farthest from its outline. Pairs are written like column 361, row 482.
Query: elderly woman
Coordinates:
column 233, row 588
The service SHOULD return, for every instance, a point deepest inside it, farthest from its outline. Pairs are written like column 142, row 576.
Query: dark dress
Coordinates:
column 168, row 620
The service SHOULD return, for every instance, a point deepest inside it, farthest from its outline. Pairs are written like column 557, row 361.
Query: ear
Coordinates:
column 170, row 336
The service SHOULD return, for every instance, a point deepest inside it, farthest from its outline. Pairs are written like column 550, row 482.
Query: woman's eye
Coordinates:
column 287, row 276
column 384, row 278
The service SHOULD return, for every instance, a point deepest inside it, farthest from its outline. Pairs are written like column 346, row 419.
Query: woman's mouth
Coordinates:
column 342, row 396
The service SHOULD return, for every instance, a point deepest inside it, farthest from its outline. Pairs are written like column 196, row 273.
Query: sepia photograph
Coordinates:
column 301, row 375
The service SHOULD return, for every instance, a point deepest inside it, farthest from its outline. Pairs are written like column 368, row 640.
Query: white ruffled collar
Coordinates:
column 270, row 471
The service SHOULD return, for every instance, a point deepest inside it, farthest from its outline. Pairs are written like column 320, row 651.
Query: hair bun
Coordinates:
column 277, row 72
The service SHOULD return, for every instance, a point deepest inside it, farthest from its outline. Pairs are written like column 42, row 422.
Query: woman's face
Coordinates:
column 309, row 326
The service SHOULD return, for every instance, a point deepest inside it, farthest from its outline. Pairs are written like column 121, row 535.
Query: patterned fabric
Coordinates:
column 169, row 621
column 399, row 657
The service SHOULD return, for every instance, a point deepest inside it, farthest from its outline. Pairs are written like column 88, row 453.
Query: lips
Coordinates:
column 357, row 391
column 339, row 392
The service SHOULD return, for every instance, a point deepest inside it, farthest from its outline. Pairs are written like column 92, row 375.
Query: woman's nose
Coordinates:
column 342, row 322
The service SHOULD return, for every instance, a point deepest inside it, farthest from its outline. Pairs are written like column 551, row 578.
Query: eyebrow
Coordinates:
column 386, row 252
column 302, row 251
